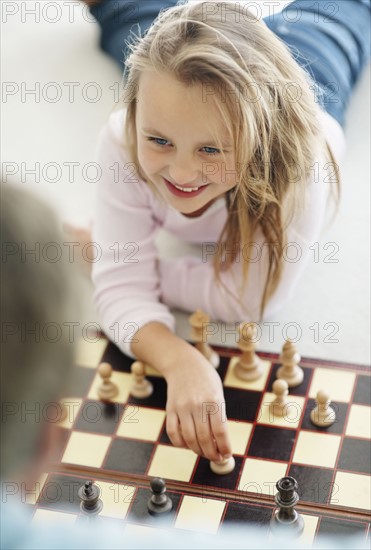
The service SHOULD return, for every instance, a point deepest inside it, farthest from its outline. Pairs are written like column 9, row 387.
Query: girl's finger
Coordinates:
column 206, row 439
column 173, row 430
column 219, row 430
column 189, row 433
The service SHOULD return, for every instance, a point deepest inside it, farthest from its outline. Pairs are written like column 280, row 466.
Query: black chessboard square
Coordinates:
column 158, row 398
column 241, row 405
column 337, row 427
column 242, row 514
column 98, row 417
column 118, row 360
column 205, row 476
column 129, row 455
column 355, row 455
column 60, row 492
column 333, row 527
column 223, row 366
column 164, row 438
column 362, row 394
column 274, row 443
column 139, row 511
column 315, row 484
column 298, row 390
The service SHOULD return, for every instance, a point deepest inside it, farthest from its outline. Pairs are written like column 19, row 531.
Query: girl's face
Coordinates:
column 176, row 149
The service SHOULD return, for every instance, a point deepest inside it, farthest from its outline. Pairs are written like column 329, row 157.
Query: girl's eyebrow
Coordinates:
column 211, row 142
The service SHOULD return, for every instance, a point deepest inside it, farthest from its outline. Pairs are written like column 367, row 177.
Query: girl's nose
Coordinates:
column 183, row 172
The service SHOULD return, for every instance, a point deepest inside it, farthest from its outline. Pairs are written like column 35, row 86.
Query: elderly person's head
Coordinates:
column 36, row 355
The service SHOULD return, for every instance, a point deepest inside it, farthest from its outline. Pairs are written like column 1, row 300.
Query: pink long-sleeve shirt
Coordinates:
column 134, row 285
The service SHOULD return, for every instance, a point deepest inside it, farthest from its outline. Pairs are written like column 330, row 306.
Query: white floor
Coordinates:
column 62, row 60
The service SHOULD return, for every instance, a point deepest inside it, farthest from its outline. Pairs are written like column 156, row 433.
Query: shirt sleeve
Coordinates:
column 125, row 274
column 189, row 282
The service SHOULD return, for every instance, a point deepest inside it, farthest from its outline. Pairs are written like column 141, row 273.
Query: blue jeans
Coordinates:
column 329, row 38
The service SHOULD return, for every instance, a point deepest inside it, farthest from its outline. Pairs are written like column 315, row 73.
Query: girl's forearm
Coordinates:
column 157, row 346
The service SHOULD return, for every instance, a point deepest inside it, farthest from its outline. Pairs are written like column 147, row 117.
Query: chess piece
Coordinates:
column 159, row 503
column 323, row 415
column 141, row 386
column 280, row 389
column 286, row 520
column 107, row 390
column 249, row 367
column 290, row 369
column 226, row 466
column 198, row 322
column 90, row 504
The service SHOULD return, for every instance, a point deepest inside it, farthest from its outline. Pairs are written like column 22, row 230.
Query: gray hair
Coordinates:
column 35, row 295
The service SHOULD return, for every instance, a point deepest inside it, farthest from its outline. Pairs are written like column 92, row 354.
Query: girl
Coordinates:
column 229, row 136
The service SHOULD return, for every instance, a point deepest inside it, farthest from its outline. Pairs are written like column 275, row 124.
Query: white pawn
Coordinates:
column 107, row 390
column 290, row 370
column 249, row 366
column 323, row 415
column 199, row 321
column 225, row 466
column 280, row 389
column 141, row 386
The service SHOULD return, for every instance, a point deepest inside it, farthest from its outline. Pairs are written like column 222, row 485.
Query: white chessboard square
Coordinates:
column 72, row 406
column 143, row 532
column 317, row 449
column 141, row 423
column 32, row 493
column 116, row 498
column 239, row 433
column 359, row 421
column 352, row 490
column 260, row 476
column 231, row 380
column 310, row 529
column 308, row 534
column 200, row 514
column 172, row 463
column 339, row 383
column 292, row 412
column 86, row 449
column 89, row 353
column 43, row 518
column 123, row 381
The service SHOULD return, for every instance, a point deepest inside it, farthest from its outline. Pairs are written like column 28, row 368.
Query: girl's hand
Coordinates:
column 195, row 406
column 196, row 416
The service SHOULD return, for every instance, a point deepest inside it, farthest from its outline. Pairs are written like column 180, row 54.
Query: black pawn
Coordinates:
column 89, row 494
column 286, row 520
column 159, row 503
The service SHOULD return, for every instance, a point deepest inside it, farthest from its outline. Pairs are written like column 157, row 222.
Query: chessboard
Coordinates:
column 126, row 506
column 124, row 442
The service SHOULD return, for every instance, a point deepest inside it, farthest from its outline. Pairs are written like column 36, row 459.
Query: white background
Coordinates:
column 36, row 52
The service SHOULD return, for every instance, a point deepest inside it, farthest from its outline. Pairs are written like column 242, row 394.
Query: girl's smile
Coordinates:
column 185, row 192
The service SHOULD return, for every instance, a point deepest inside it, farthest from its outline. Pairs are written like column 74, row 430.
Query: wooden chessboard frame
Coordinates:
column 241, row 496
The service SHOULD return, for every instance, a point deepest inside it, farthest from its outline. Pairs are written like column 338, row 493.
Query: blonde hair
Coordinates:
column 276, row 137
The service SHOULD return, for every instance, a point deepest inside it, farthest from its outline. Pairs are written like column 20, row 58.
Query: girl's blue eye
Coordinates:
column 212, row 151
column 162, row 143
column 158, row 140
